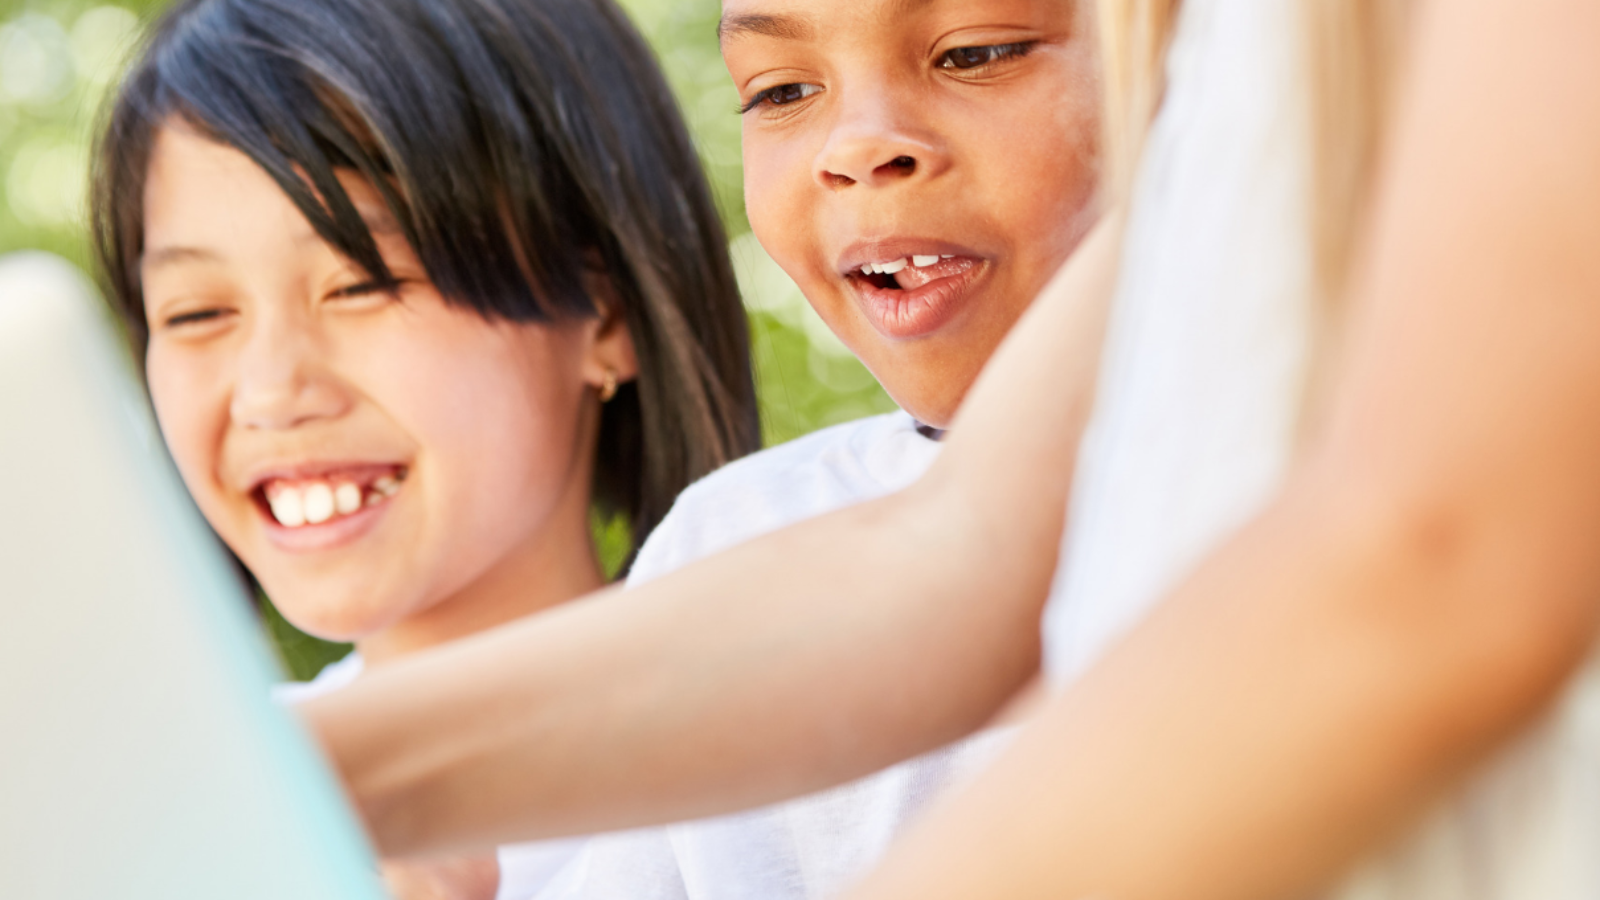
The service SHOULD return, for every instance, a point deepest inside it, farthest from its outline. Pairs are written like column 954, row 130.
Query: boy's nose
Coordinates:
column 871, row 147
column 281, row 384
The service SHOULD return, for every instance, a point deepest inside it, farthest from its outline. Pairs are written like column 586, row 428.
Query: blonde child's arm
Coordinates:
column 791, row 663
column 1424, row 586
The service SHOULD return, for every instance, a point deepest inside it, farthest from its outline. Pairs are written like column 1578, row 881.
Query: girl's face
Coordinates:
column 374, row 459
column 950, row 144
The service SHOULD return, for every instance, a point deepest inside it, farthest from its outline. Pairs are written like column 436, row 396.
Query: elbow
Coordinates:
column 1484, row 609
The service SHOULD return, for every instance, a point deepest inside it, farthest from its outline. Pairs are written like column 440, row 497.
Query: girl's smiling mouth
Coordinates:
column 908, row 290
column 314, row 508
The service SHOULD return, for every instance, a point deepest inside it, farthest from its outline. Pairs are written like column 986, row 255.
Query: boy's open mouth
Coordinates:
column 911, row 272
column 915, row 294
column 302, row 501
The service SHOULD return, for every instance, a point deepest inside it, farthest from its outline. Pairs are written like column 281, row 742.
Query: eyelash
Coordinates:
column 192, row 318
column 362, row 289
column 995, row 53
column 768, row 96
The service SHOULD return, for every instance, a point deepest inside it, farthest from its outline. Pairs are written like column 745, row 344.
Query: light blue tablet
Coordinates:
column 140, row 755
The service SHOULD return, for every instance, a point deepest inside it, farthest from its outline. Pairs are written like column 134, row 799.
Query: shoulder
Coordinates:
column 806, row 477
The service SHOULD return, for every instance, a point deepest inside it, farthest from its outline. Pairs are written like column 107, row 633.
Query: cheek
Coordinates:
column 190, row 416
column 1062, row 150
column 495, row 419
column 778, row 193
column 1043, row 171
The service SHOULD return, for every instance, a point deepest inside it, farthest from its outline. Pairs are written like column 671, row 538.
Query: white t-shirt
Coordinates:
column 1194, row 429
column 812, row 847
column 333, row 676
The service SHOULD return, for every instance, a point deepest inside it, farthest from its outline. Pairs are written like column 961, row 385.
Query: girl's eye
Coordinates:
column 195, row 318
column 977, row 57
column 366, row 289
column 781, row 95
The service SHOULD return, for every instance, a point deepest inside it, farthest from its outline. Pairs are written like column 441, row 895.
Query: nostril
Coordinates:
column 903, row 162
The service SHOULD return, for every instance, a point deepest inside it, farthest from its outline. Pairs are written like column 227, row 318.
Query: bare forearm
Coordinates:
column 1293, row 705
column 1424, row 585
column 794, row 662
column 685, row 697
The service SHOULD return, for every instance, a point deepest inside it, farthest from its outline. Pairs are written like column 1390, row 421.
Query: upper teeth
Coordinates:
column 288, row 508
column 347, row 498
column 315, row 502
column 893, row 266
column 318, row 503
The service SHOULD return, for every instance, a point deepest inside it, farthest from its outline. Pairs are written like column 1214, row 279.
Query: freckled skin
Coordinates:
column 495, row 421
column 1004, row 160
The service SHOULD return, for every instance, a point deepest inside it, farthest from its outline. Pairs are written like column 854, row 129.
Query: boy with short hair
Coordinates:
column 920, row 171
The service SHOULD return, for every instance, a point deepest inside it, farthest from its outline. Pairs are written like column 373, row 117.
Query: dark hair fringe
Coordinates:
column 520, row 144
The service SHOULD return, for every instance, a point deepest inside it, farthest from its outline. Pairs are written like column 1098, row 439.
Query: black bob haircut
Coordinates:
column 520, row 144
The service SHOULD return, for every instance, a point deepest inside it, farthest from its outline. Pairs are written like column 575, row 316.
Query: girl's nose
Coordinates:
column 281, row 383
column 877, row 141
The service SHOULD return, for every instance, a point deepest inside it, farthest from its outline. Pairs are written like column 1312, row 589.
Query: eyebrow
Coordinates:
column 789, row 28
column 794, row 28
column 166, row 256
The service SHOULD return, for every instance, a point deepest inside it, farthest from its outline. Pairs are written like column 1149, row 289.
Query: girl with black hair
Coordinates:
column 419, row 286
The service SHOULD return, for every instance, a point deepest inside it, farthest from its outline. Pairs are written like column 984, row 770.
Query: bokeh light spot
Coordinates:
column 101, row 41
column 45, row 182
column 35, row 61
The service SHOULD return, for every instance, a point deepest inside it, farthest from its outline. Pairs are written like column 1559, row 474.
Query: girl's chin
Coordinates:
column 342, row 616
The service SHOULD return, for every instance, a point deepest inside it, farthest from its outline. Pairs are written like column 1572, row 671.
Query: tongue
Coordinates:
column 912, row 277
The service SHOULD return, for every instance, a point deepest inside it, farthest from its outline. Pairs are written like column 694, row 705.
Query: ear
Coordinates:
column 609, row 354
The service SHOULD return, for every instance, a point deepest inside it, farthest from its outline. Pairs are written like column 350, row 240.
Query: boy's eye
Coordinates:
column 781, row 95
column 976, row 57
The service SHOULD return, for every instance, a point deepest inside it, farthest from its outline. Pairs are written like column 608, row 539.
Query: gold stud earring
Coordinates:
column 608, row 387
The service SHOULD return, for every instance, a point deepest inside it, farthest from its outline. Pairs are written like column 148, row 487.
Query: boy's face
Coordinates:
column 949, row 142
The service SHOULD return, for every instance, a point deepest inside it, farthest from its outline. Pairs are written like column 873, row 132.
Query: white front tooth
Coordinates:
column 947, row 256
column 920, row 261
column 893, row 267
column 346, row 498
column 866, row 269
column 287, row 508
column 386, row 485
column 318, row 503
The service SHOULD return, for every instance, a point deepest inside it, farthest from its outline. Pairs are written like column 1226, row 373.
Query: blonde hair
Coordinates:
column 1134, row 35
column 1354, row 50
column 1352, row 53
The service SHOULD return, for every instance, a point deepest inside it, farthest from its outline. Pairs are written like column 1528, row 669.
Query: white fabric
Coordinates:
column 525, row 869
column 812, row 847
column 1194, row 430
column 333, row 676
column 1202, row 372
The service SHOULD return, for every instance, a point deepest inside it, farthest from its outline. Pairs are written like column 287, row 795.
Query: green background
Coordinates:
column 59, row 59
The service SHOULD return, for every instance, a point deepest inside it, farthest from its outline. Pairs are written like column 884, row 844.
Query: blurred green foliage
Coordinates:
column 59, row 58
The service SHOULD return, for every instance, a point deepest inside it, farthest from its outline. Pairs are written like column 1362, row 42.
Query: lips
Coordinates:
column 315, row 506
column 295, row 504
column 911, row 288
